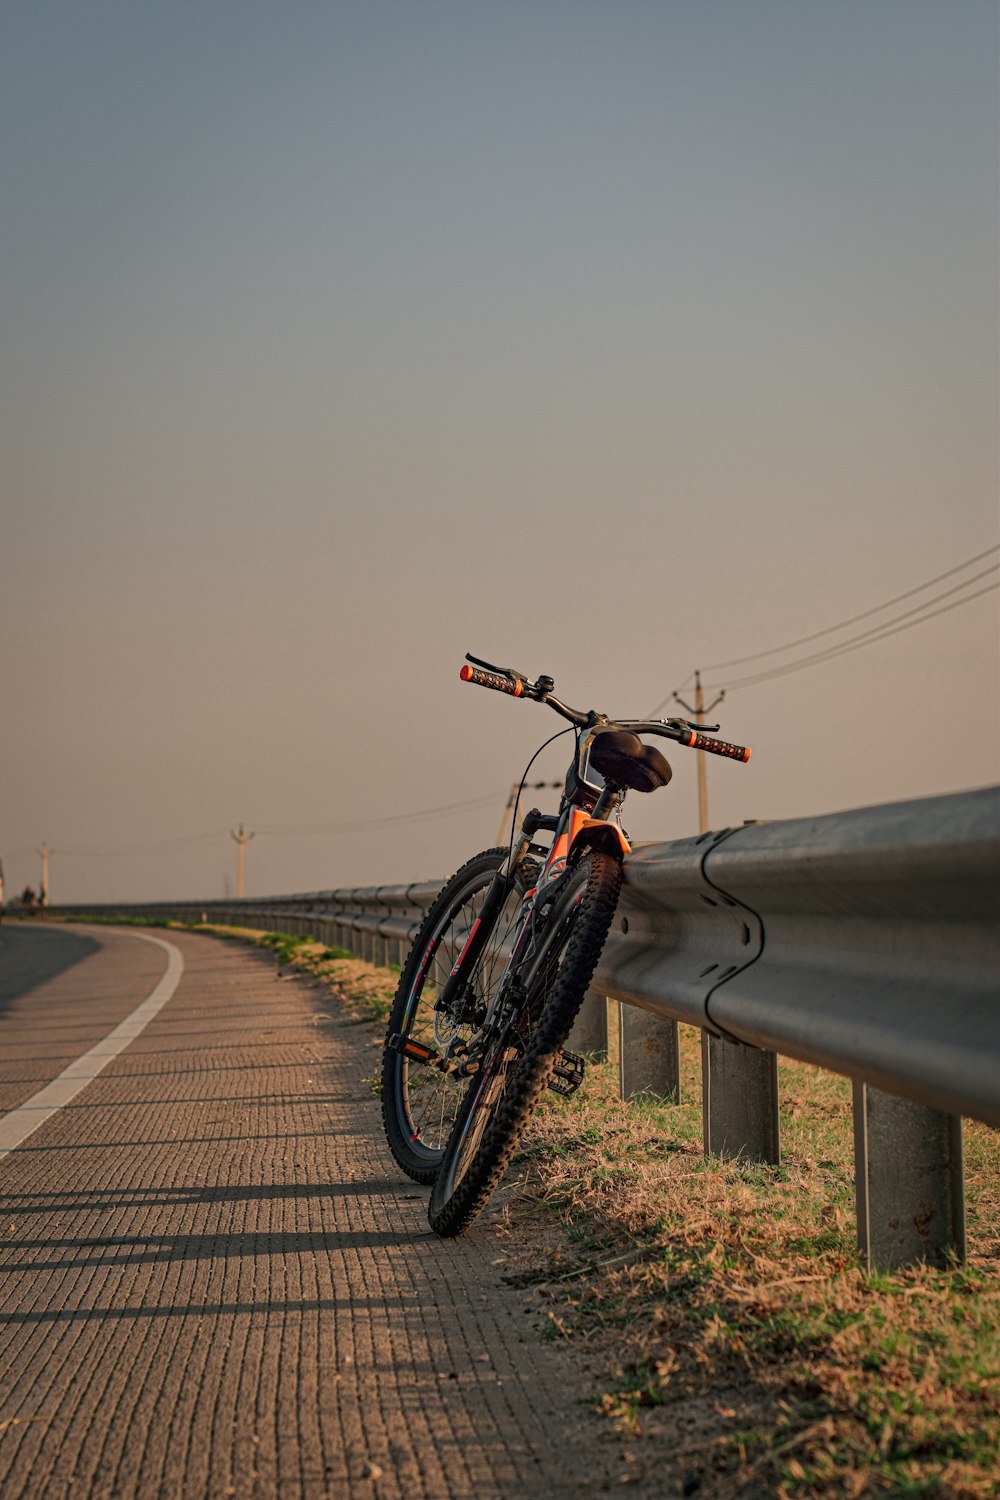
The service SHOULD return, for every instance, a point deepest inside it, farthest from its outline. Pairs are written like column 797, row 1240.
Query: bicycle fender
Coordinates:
column 605, row 837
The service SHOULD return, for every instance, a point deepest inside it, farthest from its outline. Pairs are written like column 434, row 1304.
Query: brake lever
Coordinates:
column 489, row 666
column 700, row 728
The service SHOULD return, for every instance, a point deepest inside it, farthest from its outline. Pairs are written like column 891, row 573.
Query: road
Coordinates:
column 215, row 1280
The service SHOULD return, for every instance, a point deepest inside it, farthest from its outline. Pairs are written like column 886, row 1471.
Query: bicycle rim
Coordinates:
column 421, row 1103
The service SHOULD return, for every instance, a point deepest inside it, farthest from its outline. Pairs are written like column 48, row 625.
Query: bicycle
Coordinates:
column 501, row 963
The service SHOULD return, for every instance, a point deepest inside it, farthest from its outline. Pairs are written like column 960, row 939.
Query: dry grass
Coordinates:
column 743, row 1347
column 729, row 1334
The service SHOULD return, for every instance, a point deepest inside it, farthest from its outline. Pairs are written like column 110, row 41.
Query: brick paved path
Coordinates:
column 214, row 1281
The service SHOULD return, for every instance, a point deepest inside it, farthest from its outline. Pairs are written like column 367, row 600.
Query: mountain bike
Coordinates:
column 500, row 966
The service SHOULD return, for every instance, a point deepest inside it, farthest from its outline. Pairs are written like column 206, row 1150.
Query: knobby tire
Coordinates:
column 509, row 1096
column 419, row 1105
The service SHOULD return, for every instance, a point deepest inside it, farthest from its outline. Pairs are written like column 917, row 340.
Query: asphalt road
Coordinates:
column 215, row 1282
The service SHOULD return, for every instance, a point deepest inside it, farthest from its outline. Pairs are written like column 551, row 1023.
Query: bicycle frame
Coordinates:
column 576, row 830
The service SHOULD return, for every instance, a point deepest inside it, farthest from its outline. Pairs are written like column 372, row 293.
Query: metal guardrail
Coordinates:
column 378, row 923
column 867, row 942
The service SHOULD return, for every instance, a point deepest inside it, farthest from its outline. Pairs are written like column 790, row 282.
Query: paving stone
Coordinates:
column 217, row 1283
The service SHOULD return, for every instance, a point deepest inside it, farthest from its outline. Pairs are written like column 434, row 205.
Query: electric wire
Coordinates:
column 802, row 640
column 186, row 844
column 650, row 713
column 870, row 639
column 192, row 843
column 485, row 800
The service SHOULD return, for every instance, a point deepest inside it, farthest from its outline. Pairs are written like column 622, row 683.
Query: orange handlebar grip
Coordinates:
column 718, row 747
column 512, row 685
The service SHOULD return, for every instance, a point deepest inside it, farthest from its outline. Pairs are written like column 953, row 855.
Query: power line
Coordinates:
column 652, row 712
column 802, row 640
column 471, row 803
column 876, row 633
column 189, row 844
column 192, row 843
column 868, row 639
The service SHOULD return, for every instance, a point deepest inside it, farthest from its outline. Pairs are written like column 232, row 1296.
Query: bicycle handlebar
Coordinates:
column 502, row 680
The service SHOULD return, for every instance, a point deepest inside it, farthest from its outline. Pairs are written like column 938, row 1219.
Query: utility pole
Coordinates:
column 43, row 890
column 241, row 840
column 532, row 786
column 699, row 710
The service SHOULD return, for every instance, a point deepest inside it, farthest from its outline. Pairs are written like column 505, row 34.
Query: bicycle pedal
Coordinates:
column 567, row 1075
column 417, row 1052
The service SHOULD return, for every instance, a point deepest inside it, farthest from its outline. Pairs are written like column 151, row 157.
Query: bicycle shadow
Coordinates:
column 33, row 956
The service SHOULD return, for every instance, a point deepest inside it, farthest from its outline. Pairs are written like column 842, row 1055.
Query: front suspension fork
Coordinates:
column 482, row 928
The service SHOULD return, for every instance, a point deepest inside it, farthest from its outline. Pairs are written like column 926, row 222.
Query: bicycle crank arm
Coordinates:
column 417, row 1052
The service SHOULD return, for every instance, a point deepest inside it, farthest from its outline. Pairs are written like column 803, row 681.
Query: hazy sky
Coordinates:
column 607, row 340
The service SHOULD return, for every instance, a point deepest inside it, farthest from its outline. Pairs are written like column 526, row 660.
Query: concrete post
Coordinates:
column 590, row 1029
column 740, row 1100
column 908, row 1175
column 648, row 1057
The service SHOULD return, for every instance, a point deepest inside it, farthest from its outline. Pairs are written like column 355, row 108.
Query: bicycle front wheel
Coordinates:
column 419, row 1101
column 498, row 1106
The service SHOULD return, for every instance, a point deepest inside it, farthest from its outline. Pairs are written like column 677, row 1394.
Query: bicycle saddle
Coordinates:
column 621, row 757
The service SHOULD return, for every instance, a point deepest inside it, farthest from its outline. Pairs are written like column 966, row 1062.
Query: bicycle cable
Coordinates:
column 513, row 822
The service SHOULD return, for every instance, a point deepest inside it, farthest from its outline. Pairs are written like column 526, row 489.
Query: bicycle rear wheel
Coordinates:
column 419, row 1101
column 517, row 1066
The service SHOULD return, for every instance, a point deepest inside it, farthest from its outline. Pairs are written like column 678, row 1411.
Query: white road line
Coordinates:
column 26, row 1118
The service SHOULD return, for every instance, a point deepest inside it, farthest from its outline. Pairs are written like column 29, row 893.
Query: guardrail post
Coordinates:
column 740, row 1100
column 648, row 1056
column 908, row 1175
column 590, row 1029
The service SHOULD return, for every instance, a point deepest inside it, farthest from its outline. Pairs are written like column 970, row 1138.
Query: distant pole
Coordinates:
column 241, row 840
column 699, row 710
column 43, row 893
